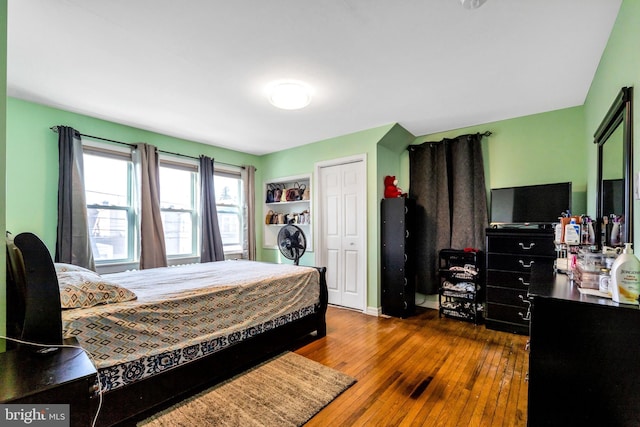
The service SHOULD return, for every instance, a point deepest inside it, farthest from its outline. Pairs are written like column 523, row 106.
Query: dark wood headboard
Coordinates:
column 34, row 299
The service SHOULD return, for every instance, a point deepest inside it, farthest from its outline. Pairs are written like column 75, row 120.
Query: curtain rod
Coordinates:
column 55, row 130
column 414, row 146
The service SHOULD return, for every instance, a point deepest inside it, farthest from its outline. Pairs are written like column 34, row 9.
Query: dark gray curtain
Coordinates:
column 153, row 252
column 429, row 186
column 211, row 248
column 469, row 194
column 73, row 245
column 447, row 182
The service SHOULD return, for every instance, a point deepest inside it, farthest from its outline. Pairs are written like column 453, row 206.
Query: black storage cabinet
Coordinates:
column 398, row 264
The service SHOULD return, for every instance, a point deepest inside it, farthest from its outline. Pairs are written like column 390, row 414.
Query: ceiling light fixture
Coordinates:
column 472, row 4
column 289, row 94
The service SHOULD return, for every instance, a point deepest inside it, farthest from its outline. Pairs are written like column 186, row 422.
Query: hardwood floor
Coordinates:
column 421, row 371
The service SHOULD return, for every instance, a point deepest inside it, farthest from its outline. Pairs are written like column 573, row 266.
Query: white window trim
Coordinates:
column 123, row 153
column 235, row 172
column 191, row 165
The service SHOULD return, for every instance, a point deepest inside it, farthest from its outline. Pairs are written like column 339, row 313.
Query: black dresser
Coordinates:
column 398, row 280
column 584, row 357
column 511, row 254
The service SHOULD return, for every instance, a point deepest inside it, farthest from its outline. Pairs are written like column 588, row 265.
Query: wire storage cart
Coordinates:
column 461, row 294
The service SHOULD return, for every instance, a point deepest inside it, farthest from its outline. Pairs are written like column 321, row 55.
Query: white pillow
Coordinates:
column 80, row 288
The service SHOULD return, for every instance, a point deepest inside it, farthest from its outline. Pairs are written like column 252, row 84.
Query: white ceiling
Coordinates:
column 196, row 69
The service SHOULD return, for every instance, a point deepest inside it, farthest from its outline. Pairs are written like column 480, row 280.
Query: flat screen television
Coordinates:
column 530, row 204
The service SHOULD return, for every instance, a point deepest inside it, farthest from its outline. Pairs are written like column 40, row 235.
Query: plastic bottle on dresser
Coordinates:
column 572, row 235
column 625, row 277
column 591, row 232
column 615, row 231
column 588, row 233
column 584, row 237
column 558, row 233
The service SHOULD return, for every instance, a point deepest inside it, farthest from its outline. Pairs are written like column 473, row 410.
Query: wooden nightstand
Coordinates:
column 65, row 376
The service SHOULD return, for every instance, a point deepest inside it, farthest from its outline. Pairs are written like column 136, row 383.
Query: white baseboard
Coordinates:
column 373, row 311
column 426, row 301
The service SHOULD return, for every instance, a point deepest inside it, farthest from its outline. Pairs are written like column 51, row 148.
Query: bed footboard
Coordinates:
column 324, row 303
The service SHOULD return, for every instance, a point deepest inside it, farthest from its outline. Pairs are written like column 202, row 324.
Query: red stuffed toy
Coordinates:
column 391, row 189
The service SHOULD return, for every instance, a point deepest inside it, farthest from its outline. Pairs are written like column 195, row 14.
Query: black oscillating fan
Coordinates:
column 292, row 242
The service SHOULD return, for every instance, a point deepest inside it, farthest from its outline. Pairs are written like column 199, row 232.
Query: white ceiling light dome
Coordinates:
column 289, row 94
column 472, row 4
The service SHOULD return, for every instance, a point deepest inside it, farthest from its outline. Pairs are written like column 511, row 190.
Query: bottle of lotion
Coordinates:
column 572, row 233
column 625, row 277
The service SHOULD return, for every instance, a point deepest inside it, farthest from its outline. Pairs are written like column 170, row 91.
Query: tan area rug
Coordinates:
column 284, row 391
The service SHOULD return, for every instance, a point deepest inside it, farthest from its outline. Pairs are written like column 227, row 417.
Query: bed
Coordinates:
column 157, row 334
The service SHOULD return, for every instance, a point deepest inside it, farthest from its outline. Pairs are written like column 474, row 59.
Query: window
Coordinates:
column 229, row 203
column 110, row 206
column 178, row 197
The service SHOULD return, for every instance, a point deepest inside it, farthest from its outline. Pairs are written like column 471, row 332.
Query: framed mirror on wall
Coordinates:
column 614, row 192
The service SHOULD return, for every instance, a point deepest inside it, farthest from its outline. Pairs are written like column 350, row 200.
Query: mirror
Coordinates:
column 614, row 138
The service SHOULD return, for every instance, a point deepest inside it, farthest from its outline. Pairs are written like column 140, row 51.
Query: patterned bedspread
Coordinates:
column 184, row 313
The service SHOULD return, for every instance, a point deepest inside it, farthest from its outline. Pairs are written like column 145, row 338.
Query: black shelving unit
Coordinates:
column 461, row 293
column 397, row 257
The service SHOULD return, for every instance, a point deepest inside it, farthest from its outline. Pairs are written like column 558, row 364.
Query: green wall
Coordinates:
column 536, row 149
column 382, row 147
column 3, row 159
column 302, row 160
column 32, row 173
column 619, row 66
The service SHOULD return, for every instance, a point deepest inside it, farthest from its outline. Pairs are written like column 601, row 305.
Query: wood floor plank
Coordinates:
column 440, row 391
column 517, row 384
column 478, row 389
column 411, row 386
column 492, row 387
column 461, row 393
column 423, row 370
column 504, row 385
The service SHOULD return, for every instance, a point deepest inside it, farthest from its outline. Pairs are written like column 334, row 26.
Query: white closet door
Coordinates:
column 343, row 217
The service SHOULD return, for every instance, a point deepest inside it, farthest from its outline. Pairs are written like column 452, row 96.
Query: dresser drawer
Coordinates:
column 521, row 245
column 507, row 313
column 515, row 297
column 509, row 279
column 517, row 263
